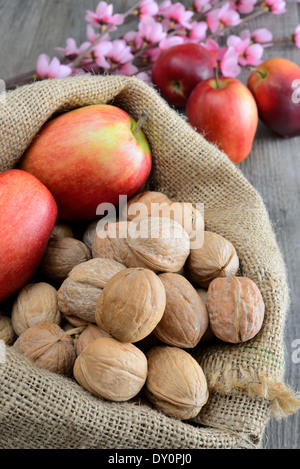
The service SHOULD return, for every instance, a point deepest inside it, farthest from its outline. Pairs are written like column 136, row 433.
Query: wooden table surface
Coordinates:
column 31, row 27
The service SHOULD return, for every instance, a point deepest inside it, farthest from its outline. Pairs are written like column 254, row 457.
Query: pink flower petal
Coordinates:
column 42, row 65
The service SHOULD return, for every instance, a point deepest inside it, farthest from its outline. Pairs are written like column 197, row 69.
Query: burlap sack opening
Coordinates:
column 41, row 410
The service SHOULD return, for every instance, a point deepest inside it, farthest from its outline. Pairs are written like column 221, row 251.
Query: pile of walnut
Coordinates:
column 121, row 312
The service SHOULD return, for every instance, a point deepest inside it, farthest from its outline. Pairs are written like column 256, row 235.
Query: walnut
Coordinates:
column 7, row 333
column 216, row 258
column 78, row 294
column 62, row 230
column 208, row 334
column 89, row 234
column 160, row 244
column 156, row 204
column 185, row 319
column 131, row 304
column 87, row 336
column 49, row 347
column 235, row 307
column 175, row 382
column 155, row 243
column 110, row 369
column 62, row 254
column 35, row 303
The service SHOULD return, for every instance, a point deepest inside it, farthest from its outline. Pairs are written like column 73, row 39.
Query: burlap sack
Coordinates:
column 41, row 410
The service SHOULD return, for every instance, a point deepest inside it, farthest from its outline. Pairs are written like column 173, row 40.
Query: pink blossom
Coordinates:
column 243, row 6
column 104, row 16
column 119, row 53
column 201, row 6
column 171, row 41
column 71, row 51
column 296, row 36
column 259, row 36
column 214, row 48
column 129, row 38
column 127, row 69
column 100, row 54
column 220, row 17
column 149, row 32
column 229, row 64
column 248, row 54
column 146, row 8
column 51, row 69
column 277, row 7
column 144, row 76
column 197, row 31
column 163, row 7
column 176, row 16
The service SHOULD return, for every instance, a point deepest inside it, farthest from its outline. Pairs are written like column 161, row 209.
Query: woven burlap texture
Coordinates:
column 41, row 410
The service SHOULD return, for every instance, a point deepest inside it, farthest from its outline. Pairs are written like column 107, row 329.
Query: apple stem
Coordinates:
column 140, row 122
column 217, row 77
column 254, row 69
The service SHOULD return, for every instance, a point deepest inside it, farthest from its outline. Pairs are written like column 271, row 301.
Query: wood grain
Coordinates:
column 31, row 27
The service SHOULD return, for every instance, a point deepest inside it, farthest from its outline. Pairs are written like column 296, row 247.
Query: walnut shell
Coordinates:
column 62, row 230
column 79, row 292
column 134, row 211
column 185, row 319
column 7, row 333
column 35, row 303
column 89, row 234
column 111, row 242
column 110, row 369
column 49, row 347
column 131, row 304
column 156, row 204
column 159, row 244
column 90, row 333
column 216, row 258
column 235, row 307
column 175, row 383
column 208, row 334
column 62, row 254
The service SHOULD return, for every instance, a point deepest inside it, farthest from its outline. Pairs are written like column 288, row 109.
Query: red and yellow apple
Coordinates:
column 225, row 112
column 28, row 214
column 89, row 156
column 179, row 69
column 275, row 86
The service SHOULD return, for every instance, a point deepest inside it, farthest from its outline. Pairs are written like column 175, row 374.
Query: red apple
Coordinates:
column 275, row 86
column 179, row 69
column 89, row 156
column 28, row 214
column 225, row 112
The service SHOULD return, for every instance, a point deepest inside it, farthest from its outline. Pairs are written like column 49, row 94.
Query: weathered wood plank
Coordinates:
column 31, row 27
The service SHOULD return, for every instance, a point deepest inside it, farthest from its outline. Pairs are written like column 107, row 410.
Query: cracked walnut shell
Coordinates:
column 35, row 303
column 185, row 319
column 175, row 383
column 131, row 304
column 111, row 369
column 49, row 347
column 216, row 258
column 236, row 308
